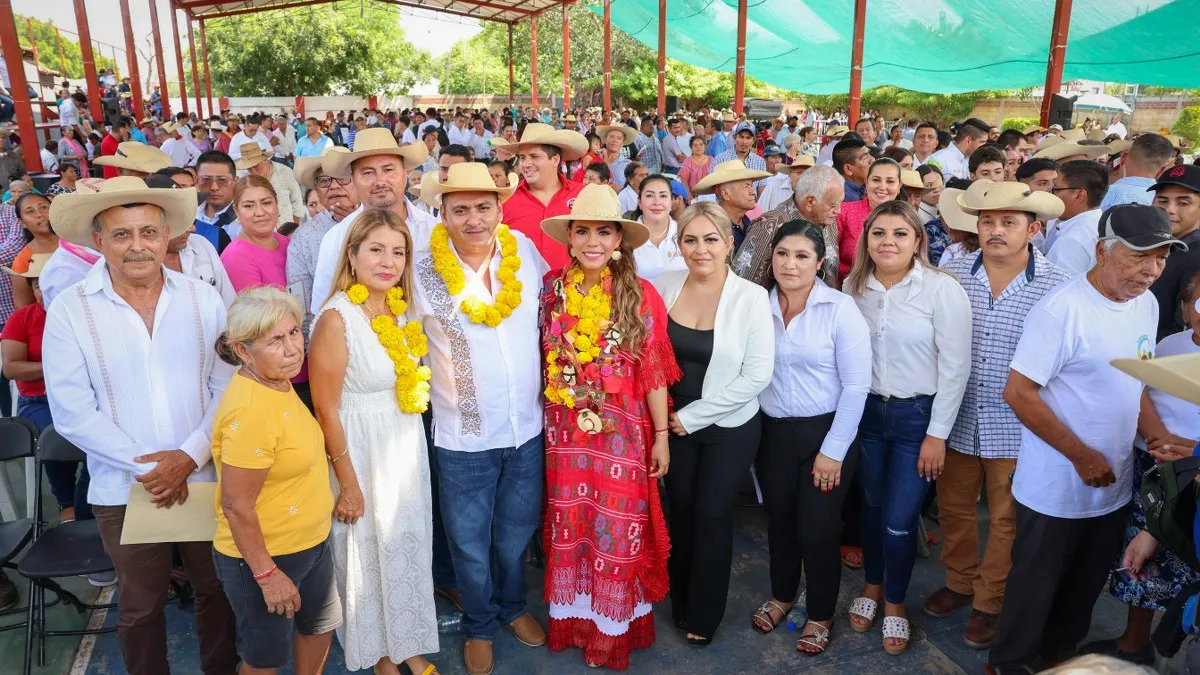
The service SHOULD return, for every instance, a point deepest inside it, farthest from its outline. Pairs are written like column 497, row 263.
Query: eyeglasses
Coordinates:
column 324, row 182
column 1056, row 190
column 207, row 181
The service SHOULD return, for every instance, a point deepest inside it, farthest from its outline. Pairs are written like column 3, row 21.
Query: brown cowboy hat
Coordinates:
column 630, row 133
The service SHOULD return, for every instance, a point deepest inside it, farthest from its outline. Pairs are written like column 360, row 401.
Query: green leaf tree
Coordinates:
column 1188, row 124
column 46, row 42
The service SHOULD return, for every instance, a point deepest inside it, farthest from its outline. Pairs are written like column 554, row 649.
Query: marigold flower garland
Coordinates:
column 405, row 346
column 508, row 297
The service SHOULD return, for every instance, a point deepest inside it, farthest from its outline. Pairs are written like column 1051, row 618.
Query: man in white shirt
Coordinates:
column 49, row 155
column 925, row 142
column 1116, row 127
column 179, row 149
column 972, row 134
column 459, row 133
column 674, row 147
column 478, row 139
column 288, row 195
column 1073, row 483
column 251, row 133
column 191, row 254
column 134, row 383
column 281, row 135
column 1147, row 157
column 1081, row 184
column 487, row 409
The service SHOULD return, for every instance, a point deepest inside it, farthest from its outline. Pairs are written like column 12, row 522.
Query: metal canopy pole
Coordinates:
column 179, row 60
column 856, row 58
column 19, row 87
column 566, row 58
column 662, row 57
column 89, row 62
column 135, row 80
column 533, row 58
column 512, row 95
column 1058, row 56
column 159, row 61
column 207, row 75
column 739, row 86
column 607, row 56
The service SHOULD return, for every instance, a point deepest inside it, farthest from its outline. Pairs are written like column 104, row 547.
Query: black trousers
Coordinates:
column 706, row 469
column 804, row 525
column 1059, row 569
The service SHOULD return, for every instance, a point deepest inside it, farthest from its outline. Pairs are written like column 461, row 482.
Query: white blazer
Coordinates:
column 743, row 353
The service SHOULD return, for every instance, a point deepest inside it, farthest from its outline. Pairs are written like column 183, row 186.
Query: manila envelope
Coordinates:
column 193, row 520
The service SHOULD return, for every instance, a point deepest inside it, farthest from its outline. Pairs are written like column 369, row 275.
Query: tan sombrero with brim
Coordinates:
column 911, row 179
column 1063, row 149
column 71, row 214
column 36, row 262
column 952, row 214
column 1034, row 129
column 837, row 131
column 306, row 167
column 729, row 117
column 1011, row 196
column 727, row 172
column 1118, row 146
column 596, row 203
column 629, row 132
column 170, row 127
column 135, row 156
column 252, row 156
column 572, row 144
column 1179, row 142
column 1178, row 376
column 463, row 177
column 376, row 141
column 1073, row 134
column 798, row 162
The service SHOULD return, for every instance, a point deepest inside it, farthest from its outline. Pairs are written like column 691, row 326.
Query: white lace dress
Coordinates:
column 383, row 561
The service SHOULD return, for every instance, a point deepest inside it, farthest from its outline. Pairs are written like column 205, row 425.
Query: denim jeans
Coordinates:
column 7, row 110
column 491, row 506
column 890, row 436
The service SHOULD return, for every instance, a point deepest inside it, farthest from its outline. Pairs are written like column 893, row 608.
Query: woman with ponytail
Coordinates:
column 608, row 366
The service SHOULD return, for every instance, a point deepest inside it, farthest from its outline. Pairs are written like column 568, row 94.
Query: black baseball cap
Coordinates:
column 1141, row 227
column 772, row 149
column 1184, row 175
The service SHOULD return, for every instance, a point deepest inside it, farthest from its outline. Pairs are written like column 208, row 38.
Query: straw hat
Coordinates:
column 1072, row 134
column 798, row 162
column 1118, row 146
column 216, row 126
column 463, row 177
column 1034, row 129
column 252, row 156
column 952, row 214
column 71, row 214
column 36, row 262
column 1010, row 196
column 1178, row 376
column 596, row 203
column 170, row 127
column 135, row 156
column 569, row 117
column 911, row 179
column 837, row 131
column 1068, row 148
column 376, row 141
column 306, row 167
column 630, row 132
column 1179, row 142
column 727, row 172
column 729, row 117
column 572, row 143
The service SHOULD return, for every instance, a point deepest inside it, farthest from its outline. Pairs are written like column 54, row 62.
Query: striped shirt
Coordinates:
column 11, row 243
column 986, row 426
column 650, row 153
column 752, row 161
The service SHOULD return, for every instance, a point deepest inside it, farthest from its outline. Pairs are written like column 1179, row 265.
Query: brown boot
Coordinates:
column 528, row 631
column 477, row 656
column 945, row 602
column 981, row 629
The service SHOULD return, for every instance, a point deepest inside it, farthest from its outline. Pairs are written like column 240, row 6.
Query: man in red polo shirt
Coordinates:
column 544, row 191
column 108, row 146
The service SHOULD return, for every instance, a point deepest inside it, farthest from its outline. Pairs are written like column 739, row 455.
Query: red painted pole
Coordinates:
column 856, row 58
column 739, row 84
column 607, row 56
column 195, row 71
column 159, row 61
column 207, row 76
column 89, row 62
column 1058, row 56
column 512, row 89
column 662, row 57
column 135, row 80
column 179, row 60
column 11, row 47
column 566, row 58
column 533, row 58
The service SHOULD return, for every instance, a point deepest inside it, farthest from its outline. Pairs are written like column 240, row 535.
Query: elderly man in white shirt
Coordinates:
column 484, row 351
column 134, row 382
column 251, row 133
column 1074, row 477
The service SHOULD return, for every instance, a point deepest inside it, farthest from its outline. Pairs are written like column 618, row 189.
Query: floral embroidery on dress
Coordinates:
column 293, row 510
column 460, row 350
column 234, row 426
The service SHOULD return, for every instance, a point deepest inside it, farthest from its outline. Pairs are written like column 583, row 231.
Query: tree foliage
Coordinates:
column 1020, row 123
column 1188, row 124
column 331, row 49
column 46, row 40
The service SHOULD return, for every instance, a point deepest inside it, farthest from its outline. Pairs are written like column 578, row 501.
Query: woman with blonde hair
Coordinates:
column 920, row 323
column 608, row 365
column 369, row 390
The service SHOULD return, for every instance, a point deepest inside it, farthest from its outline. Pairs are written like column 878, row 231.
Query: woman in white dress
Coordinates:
column 368, row 399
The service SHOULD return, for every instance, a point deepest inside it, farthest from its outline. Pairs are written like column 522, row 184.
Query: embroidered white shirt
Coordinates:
column 199, row 260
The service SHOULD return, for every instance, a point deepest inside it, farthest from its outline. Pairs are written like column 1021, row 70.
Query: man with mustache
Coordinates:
column 1004, row 279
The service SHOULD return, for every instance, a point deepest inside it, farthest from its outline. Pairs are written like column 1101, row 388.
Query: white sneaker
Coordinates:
column 101, row 579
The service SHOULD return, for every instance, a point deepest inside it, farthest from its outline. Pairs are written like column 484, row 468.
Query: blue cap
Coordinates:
column 678, row 189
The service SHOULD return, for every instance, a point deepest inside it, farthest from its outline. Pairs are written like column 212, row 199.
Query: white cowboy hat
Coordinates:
column 1067, row 148
column 252, row 156
column 911, row 179
column 952, row 214
column 798, row 162
column 135, row 156
column 306, row 167
column 376, row 141
column 629, row 132
column 36, row 262
column 572, row 143
column 727, row 172
column 1010, row 196
column 463, row 177
column 596, row 203
column 71, row 214
column 837, row 131
column 1178, row 376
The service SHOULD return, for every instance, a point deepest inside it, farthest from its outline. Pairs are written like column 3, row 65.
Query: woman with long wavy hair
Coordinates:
column 608, row 365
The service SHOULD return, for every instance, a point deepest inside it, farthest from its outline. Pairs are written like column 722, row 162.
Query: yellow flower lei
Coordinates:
column 405, row 346
column 508, row 298
column 594, row 312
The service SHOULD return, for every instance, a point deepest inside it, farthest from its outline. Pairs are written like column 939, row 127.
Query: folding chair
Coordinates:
column 64, row 550
column 18, row 440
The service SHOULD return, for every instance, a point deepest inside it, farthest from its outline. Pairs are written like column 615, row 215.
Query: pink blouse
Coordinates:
column 249, row 265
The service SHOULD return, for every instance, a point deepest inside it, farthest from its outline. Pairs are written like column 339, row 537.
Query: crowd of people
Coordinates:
column 407, row 345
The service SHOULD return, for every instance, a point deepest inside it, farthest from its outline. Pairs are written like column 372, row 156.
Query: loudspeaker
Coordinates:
column 672, row 104
column 1061, row 110
column 112, row 111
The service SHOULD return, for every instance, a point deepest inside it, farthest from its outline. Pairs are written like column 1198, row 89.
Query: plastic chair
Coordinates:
column 18, row 440
column 65, row 550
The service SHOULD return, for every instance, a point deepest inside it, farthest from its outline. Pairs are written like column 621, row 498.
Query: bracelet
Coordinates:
column 339, row 456
column 661, row 432
column 264, row 575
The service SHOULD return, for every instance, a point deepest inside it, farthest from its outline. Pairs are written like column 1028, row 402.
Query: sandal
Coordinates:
column 852, row 557
column 863, row 608
column 762, row 620
column 896, row 628
column 817, row 640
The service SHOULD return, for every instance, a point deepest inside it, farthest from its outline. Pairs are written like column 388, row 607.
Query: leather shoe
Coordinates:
column 945, row 602
column 528, row 631
column 981, row 629
column 477, row 656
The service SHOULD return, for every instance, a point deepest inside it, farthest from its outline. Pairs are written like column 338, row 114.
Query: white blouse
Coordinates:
column 666, row 257
column 822, row 365
column 920, row 341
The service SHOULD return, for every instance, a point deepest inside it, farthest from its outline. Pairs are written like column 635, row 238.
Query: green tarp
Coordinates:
column 935, row 46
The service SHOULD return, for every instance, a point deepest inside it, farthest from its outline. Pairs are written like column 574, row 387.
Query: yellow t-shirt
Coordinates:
column 257, row 427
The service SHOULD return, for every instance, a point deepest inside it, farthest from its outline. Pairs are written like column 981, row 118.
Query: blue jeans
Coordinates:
column 491, row 505
column 890, row 437
column 7, row 110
